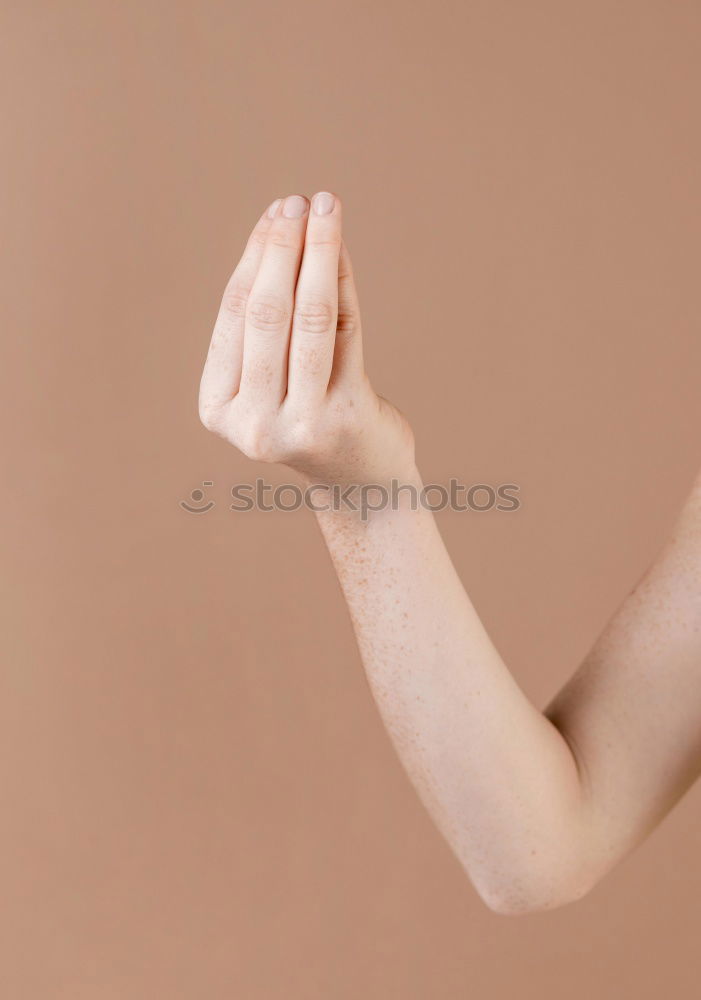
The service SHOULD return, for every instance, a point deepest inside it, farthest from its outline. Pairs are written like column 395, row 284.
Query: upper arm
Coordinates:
column 632, row 711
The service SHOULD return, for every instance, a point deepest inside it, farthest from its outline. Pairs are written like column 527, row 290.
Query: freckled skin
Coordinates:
column 537, row 805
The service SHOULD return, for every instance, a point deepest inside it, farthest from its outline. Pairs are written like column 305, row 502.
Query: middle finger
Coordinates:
column 269, row 307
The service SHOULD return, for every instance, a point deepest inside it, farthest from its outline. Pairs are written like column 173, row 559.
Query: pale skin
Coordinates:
column 537, row 805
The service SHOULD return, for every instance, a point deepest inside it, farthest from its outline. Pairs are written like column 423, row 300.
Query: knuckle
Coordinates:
column 283, row 239
column 305, row 437
column 235, row 300
column 258, row 239
column 266, row 313
column 347, row 323
column 255, row 440
column 345, row 269
column 325, row 241
column 314, row 316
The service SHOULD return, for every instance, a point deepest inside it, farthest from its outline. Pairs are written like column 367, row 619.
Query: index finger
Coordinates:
column 222, row 369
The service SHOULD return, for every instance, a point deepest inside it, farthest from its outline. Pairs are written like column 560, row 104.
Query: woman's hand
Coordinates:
column 284, row 379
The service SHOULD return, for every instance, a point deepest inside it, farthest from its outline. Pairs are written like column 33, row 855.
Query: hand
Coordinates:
column 284, row 379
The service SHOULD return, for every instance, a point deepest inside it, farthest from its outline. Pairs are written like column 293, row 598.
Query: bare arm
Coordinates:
column 537, row 806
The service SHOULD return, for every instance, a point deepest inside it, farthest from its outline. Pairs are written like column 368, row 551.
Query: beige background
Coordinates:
column 198, row 798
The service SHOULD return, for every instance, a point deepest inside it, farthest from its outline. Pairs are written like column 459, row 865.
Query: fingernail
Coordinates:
column 295, row 206
column 272, row 211
column 324, row 203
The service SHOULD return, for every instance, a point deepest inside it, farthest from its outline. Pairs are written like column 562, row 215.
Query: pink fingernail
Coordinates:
column 324, row 203
column 295, row 206
column 272, row 211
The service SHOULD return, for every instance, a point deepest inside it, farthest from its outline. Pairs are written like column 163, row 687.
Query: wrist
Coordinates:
column 368, row 500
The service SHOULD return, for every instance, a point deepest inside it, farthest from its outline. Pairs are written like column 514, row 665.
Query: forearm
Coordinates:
column 498, row 778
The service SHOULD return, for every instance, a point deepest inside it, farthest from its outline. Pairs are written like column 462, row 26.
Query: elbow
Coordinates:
column 508, row 905
column 514, row 896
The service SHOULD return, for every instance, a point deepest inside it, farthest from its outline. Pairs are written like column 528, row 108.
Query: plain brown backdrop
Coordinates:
column 198, row 797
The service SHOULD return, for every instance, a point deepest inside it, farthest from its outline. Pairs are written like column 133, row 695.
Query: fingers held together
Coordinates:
column 288, row 329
